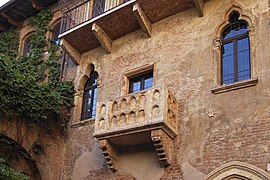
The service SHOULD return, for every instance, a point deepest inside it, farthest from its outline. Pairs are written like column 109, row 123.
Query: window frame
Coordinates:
column 27, row 42
column 54, row 38
column 142, row 77
column 217, row 87
column 234, row 40
column 93, row 81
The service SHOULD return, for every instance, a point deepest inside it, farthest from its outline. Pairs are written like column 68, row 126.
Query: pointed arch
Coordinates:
column 246, row 17
column 238, row 170
column 242, row 16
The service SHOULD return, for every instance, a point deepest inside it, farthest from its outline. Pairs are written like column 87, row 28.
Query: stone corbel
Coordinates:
column 164, row 145
column 11, row 20
column 110, row 154
column 36, row 5
column 102, row 37
column 216, row 42
column 142, row 19
column 199, row 7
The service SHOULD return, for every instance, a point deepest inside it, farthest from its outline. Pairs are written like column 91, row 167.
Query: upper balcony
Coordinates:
column 87, row 24
column 146, row 117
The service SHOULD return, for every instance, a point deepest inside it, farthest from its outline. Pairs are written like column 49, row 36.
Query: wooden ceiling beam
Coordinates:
column 11, row 20
column 36, row 5
column 102, row 37
column 199, row 6
column 142, row 19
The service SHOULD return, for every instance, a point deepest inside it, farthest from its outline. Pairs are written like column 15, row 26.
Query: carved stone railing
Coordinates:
column 153, row 110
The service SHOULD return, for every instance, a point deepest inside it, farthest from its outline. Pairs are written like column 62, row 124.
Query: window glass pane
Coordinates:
column 94, row 102
column 243, row 59
column 90, row 97
column 27, row 45
column 56, row 32
column 136, row 86
column 89, row 104
column 235, row 29
column 228, row 64
column 148, row 83
column 141, row 82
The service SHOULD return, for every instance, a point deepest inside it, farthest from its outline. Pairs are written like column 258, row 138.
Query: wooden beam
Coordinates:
column 11, row 20
column 102, row 37
column 142, row 19
column 36, row 5
column 199, row 7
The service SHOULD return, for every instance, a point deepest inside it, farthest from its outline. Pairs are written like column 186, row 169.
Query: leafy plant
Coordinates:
column 30, row 89
column 9, row 173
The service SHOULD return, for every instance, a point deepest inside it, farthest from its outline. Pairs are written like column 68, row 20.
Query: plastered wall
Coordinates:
column 214, row 129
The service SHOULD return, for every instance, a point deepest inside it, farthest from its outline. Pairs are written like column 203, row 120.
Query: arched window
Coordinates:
column 56, row 32
column 27, row 45
column 235, row 60
column 90, row 97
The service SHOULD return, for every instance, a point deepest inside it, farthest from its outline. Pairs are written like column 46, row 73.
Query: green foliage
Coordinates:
column 29, row 86
column 9, row 173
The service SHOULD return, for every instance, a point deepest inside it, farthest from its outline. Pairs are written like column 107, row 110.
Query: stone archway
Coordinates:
column 237, row 171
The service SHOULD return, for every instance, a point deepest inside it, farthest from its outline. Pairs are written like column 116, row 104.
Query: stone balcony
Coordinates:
column 86, row 27
column 146, row 117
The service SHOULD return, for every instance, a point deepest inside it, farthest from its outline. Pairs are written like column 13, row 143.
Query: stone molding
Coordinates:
column 217, row 44
column 238, row 169
column 164, row 145
column 110, row 154
column 234, row 86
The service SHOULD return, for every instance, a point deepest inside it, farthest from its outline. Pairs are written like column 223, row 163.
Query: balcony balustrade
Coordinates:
column 148, row 116
column 88, row 24
column 76, row 14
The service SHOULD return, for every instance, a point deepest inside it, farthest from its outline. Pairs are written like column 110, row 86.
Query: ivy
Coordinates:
column 9, row 173
column 30, row 89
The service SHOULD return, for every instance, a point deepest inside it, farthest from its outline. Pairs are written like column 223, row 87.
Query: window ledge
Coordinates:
column 234, row 86
column 83, row 123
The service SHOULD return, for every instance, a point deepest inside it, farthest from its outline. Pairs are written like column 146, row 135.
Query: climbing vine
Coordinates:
column 8, row 172
column 30, row 89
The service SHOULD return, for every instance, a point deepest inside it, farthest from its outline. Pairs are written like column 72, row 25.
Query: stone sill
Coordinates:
column 234, row 86
column 83, row 123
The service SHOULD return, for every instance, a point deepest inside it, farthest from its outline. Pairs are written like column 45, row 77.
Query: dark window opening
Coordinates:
column 68, row 67
column 141, row 82
column 56, row 32
column 27, row 45
column 90, row 97
column 235, row 51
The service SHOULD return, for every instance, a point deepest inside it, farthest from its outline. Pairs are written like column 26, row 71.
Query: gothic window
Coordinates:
column 235, row 60
column 56, row 32
column 27, row 45
column 90, row 97
column 140, row 82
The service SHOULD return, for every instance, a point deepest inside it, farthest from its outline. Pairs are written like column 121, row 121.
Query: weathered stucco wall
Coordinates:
column 213, row 128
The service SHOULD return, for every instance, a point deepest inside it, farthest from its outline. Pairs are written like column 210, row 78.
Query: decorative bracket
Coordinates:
column 110, row 154
column 199, row 7
column 11, row 20
column 36, row 5
column 142, row 19
column 164, row 145
column 102, row 37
